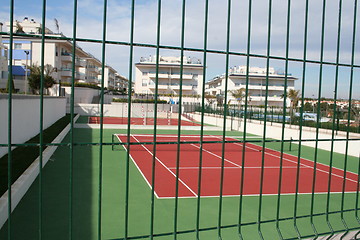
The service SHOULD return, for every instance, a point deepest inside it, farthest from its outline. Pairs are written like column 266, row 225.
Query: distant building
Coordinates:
column 257, row 85
column 58, row 53
column 3, row 62
column 121, row 83
column 168, row 76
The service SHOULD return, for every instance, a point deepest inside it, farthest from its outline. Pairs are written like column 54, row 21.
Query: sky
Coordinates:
column 90, row 17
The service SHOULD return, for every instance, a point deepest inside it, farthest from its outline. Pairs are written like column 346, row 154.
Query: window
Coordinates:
column 144, row 82
column 17, row 45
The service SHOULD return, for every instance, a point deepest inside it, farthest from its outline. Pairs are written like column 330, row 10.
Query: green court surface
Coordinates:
column 85, row 201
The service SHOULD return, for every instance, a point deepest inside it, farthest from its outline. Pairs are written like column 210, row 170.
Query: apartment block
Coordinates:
column 3, row 62
column 257, row 85
column 59, row 54
column 168, row 76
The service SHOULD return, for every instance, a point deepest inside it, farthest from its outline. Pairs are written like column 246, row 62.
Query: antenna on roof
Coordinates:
column 57, row 25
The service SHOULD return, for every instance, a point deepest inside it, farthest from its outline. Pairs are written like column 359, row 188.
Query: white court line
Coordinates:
column 237, row 165
column 270, row 167
column 302, row 164
column 167, row 168
column 264, row 194
column 137, row 167
column 159, row 136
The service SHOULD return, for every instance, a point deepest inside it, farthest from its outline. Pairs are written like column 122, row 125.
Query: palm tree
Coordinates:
column 238, row 94
column 35, row 77
column 19, row 28
column 294, row 96
column 210, row 98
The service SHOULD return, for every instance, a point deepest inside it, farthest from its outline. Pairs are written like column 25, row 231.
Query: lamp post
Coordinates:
column 26, row 72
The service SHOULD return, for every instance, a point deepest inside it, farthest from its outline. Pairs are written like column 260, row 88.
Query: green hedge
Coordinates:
column 84, row 85
column 24, row 156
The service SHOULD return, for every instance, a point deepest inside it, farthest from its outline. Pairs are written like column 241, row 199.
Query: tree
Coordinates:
column 294, row 96
column 238, row 94
column 35, row 77
column 8, row 85
column 308, row 107
column 19, row 28
column 219, row 100
column 210, row 98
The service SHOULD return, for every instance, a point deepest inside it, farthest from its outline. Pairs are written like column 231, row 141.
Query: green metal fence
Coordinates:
column 281, row 216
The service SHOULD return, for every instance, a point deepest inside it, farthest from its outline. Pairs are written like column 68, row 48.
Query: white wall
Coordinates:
column 49, row 53
column 82, row 95
column 24, row 182
column 274, row 131
column 121, row 109
column 26, row 117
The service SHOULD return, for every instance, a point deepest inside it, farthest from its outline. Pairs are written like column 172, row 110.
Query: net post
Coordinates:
column 290, row 143
column 112, row 142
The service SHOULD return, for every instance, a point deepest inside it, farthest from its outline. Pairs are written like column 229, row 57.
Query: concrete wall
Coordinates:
column 120, row 109
column 274, row 130
column 82, row 95
column 26, row 117
column 23, row 183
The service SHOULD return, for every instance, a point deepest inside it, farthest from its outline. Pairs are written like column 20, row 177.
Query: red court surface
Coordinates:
column 166, row 168
column 140, row 121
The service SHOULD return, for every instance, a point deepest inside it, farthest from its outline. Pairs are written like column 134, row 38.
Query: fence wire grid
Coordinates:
column 125, row 203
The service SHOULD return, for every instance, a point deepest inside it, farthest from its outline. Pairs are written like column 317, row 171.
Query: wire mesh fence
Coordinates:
column 183, row 153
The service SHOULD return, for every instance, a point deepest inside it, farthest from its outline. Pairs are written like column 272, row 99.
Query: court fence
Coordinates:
column 309, row 193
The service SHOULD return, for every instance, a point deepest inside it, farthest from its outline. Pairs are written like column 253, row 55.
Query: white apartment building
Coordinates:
column 257, row 85
column 92, row 70
column 168, row 76
column 121, row 83
column 109, row 77
column 3, row 62
column 59, row 54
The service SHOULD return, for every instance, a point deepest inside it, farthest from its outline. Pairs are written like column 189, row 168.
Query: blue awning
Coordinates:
column 18, row 71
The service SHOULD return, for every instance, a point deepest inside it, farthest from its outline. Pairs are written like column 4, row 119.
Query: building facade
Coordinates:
column 121, row 83
column 3, row 62
column 257, row 85
column 59, row 54
column 168, row 76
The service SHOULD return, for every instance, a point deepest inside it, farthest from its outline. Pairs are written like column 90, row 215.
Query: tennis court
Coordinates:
column 256, row 160
column 141, row 121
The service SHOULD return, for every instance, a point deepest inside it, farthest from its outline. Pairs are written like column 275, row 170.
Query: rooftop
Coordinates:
column 253, row 71
column 171, row 60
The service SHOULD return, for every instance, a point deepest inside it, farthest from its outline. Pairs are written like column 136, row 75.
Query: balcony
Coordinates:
column 278, row 87
column 160, row 75
column 94, row 69
column 79, row 62
column 166, row 75
column 67, row 73
column 92, row 78
column 172, row 87
column 160, row 86
column 184, row 87
column 67, row 57
column 184, row 76
column 262, row 98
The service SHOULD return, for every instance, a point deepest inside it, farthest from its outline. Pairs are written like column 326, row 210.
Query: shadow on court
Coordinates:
column 56, row 196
